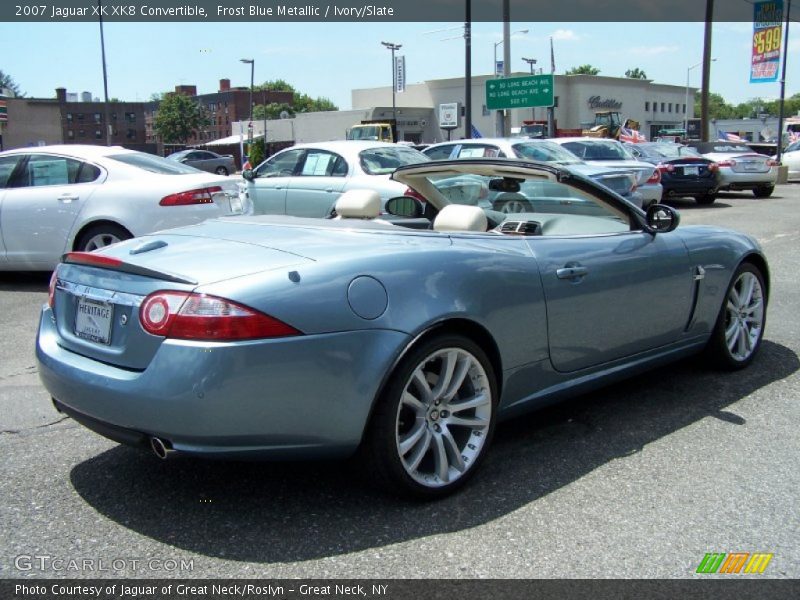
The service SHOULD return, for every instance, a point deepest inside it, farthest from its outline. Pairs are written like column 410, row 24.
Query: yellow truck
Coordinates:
column 380, row 131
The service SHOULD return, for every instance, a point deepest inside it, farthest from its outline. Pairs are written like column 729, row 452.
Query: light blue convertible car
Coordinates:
column 406, row 336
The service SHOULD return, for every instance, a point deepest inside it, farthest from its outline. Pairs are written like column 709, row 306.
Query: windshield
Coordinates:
column 598, row 150
column 153, row 164
column 384, row 160
column 675, row 150
column 545, row 152
column 365, row 132
column 707, row 147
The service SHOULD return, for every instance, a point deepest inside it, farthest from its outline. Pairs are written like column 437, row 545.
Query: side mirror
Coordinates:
column 405, row 206
column 661, row 218
column 248, row 174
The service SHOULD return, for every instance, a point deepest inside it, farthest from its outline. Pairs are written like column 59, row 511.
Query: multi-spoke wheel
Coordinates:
column 740, row 325
column 100, row 236
column 512, row 205
column 436, row 418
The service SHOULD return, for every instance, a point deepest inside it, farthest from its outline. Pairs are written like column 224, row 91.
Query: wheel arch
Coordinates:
column 90, row 224
column 454, row 325
column 758, row 261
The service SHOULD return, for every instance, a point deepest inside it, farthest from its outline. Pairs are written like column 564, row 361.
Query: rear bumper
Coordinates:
column 308, row 396
column 731, row 180
column 677, row 187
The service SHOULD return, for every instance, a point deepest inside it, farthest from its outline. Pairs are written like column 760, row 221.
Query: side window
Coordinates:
column 87, row 173
column 42, row 170
column 480, row 151
column 319, row 163
column 440, row 152
column 281, row 165
column 7, row 166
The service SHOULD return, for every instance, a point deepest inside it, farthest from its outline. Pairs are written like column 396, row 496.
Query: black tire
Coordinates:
column 381, row 449
column 718, row 352
column 221, row 171
column 98, row 236
column 706, row 200
column 765, row 191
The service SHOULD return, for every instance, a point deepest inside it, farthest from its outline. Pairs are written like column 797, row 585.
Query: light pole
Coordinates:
column 252, row 63
column 531, row 62
column 499, row 121
column 686, row 104
column 393, row 47
column 105, row 73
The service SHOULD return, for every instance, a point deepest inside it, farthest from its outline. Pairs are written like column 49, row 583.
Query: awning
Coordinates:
column 231, row 139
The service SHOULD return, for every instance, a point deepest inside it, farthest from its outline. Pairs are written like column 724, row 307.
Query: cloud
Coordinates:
column 565, row 35
column 654, row 50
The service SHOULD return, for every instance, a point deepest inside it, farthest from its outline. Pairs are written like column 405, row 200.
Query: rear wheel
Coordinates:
column 100, row 236
column 221, row 171
column 740, row 325
column 435, row 419
column 706, row 200
column 765, row 191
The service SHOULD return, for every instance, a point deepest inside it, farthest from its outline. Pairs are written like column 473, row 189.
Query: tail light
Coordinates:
column 655, row 177
column 199, row 196
column 772, row 162
column 91, row 259
column 713, row 167
column 668, row 167
column 726, row 163
column 414, row 194
column 188, row 316
column 51, row 290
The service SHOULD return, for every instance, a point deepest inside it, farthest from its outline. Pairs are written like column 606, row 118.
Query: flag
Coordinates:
column 729, row 137
column 475, row 133
column 552, row 58
column 631, row 135
column 246, row 164
column 794, row 136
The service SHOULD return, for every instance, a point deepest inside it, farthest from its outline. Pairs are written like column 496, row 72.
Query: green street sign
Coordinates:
column 519, row 92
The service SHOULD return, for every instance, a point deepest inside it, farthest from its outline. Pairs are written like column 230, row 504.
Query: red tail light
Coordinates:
column 772, row 162
column 91, row 259
column 199, row 196
column 727, row 163
column 51, row 290
column 414, row 194
column 668, row 167
column 713, row 167
column 655, row 177
column 186, row 316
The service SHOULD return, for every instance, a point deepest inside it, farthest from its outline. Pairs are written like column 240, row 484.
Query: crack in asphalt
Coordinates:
column 27, row 371
column 18, row 431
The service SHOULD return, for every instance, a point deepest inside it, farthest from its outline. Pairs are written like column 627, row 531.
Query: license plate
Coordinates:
column 751, row 166
column 691, row 170
column 93, row 320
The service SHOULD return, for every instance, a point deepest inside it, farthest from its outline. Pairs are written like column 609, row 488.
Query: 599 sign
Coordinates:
column 767, row 43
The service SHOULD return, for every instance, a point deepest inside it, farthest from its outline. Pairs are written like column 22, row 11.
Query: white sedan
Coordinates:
column 791, row 158
column 307, row 179
column 56, row 199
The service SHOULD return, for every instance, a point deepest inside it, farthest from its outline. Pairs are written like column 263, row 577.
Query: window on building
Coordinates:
column 646, row 107
column 662, row 106
column 130, row 117
column 684, row 108
column 670, row 107
column 655, row 106
column 81, row 133
column 98, row 117
column 98, row 134
column 70, row 134
column 69, row 117
column 131, row 134
column 485, row 111
column 113, row 116
column 555, row 102
column 80, row 116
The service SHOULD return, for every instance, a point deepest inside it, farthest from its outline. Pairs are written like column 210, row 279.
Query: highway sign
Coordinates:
column 519, row 92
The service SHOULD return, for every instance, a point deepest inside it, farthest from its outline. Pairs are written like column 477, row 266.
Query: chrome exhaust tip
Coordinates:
column 161, row 448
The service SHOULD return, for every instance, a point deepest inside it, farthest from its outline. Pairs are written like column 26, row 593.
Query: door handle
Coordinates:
column 329, row 190
column 573, row 272
column 67, row 198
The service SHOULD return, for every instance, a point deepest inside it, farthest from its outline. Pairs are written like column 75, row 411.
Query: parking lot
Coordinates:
column 641, row 479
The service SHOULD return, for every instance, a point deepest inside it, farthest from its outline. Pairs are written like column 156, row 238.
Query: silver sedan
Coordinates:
column 740, row 168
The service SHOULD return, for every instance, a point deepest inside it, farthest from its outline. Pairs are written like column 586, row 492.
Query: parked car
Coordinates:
column 791, row 158
column 54, row 199
column 740, row 168
column 539, row 150
column 612, row 154
column 683, row 171
column 305, row 180
column 300, row 338
column 205, row 160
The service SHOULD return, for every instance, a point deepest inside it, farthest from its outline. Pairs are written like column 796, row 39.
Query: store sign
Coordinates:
column 767, row 39
column 596, row 102
column 400, row 74
column 449, row 115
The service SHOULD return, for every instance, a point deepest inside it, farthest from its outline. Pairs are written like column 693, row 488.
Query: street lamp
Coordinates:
column 252, row 63
column 496, row 44
column 531, row 62
column 686, row 104
column 393, row 47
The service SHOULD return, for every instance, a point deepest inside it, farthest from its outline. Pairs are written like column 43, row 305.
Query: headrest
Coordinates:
column 459, row 217
column 359, row 204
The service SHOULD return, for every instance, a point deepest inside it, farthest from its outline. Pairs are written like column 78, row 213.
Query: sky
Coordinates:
column 330, row 59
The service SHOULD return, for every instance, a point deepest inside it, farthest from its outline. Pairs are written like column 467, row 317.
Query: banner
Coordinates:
column 400, row 74
column 767, row 40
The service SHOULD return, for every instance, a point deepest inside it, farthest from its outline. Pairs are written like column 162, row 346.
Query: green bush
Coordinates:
column 256, row 153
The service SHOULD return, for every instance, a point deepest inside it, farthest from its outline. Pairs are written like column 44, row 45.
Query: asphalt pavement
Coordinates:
column 638, row 480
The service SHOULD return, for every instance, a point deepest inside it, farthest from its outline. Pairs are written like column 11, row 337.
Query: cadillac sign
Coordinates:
column 596, row 102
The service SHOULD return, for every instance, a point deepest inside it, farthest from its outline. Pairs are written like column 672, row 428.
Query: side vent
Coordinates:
column 521, row 228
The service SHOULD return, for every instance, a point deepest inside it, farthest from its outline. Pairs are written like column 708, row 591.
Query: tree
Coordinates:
column 717, row 107
column 178, row 117
column 301, row 103
column 584, row 70
column 635, row 73
column 6, row 81
column 272, row 110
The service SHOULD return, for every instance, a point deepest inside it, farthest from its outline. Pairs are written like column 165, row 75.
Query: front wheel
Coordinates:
column 740, row 324
column 765, row 191
column 221, row 171
column 435, row 419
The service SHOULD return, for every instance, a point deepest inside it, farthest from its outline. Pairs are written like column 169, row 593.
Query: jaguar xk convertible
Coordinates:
column 405, row 336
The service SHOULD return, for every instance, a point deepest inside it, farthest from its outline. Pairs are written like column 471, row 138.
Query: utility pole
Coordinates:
column 468, row 71
column 706, row 71
column 105, row 73
column 506, row 60
column 393, row 48
column 783, row 83
column 531, row 62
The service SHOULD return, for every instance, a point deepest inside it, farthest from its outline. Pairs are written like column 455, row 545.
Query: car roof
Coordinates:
column 87, row 151
column 583, row 139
